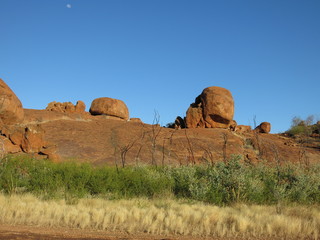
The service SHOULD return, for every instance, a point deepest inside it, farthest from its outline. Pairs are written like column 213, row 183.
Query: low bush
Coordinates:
column 220, row 184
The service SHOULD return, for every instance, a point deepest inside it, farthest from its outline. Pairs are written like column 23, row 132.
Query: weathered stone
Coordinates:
column 264, row 127
column 213, row 108
column 179, row 123
column 110, row 107
column 194, row 117
column 243, row 129
column 29, row 138
column 7, row 147
column 66, row 107
column 80, row 107
column 33, row 139
column 218, row 107
column 232, row 126
column 50, row 152
column 137, row 120
column 11, row 111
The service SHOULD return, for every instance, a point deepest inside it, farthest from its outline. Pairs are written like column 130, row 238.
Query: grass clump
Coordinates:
column 164, row 217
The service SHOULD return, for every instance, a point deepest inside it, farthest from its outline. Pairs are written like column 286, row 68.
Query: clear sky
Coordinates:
column 160, row 54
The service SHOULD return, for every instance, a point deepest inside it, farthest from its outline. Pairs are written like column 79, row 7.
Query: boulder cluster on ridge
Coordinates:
column 24, row 130
column 214, row 108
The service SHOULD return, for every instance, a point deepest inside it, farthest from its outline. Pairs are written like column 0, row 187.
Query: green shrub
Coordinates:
column 297, row 130
column 220, row 184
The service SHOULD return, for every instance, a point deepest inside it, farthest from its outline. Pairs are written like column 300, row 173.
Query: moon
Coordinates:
column 68, row 5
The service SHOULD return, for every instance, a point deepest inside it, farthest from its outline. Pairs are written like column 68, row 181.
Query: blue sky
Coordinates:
column 160, row 55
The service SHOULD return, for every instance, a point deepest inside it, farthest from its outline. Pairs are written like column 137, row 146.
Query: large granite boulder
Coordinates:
column 110, row 107
column 11, row 111
column 213, row 108
column 264, row 127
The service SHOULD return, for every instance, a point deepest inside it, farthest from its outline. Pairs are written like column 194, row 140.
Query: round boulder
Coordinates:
column 218, row 107
column 264, row 127
column 11, row 111
column 110, row 107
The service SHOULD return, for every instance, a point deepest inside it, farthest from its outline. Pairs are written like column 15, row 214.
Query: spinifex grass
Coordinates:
column 165, row 217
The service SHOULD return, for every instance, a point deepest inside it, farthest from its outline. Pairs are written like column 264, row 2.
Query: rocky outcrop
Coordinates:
column 233, row 124
column 11, row 111
column 110, row 107
column 179, row 123
column 28, row 139
column 243, row 129
column 213, row 108
column 194, row 118
column 6, row 146
column 66, row 107
column 264, row 127
column 137, row 120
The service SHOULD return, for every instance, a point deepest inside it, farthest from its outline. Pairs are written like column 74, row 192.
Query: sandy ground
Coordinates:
column 19, row 232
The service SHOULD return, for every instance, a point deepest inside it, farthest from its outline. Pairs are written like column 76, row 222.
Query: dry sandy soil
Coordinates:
column 17, row 232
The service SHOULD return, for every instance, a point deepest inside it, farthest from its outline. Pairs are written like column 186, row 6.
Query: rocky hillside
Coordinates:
column 107, row 135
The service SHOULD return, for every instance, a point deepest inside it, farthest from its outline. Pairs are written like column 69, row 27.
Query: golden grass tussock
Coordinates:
column 164, row 217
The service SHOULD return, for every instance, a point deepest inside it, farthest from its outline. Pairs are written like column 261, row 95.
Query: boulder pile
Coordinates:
column 214, row 108
column 66, row 107
column 15, row 136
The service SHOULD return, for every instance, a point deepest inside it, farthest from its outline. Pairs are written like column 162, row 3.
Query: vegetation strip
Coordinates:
column 220, row 184
column 163, row 217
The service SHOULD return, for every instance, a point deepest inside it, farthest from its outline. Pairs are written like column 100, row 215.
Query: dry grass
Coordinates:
column 164, row 217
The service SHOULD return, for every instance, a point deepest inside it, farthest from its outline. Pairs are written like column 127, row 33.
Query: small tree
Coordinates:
column 301, row 127
column 155, row 132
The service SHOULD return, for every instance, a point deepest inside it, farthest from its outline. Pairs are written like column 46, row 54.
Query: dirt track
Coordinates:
column 17, row 232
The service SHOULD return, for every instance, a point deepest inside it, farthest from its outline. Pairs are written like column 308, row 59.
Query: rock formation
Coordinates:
column 11, row 111
column 110, row 107
column 28, row 139
column 233, row 124
column 194, row 116
column 179, row 123
column 243, row 129
column 264, row 127
column 213, row 108
column 67, row 107
column 15, row 135
column 137, row 120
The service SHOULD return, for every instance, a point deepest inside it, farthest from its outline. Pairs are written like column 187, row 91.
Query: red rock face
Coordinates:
column 264, row 127
column 110, row 107
column 80, row 107
column 7, row 146
column 233, row 124
column 194, row 117
column 214, row 108
column 11, row 111
column 29, row 138
column 23, row 138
